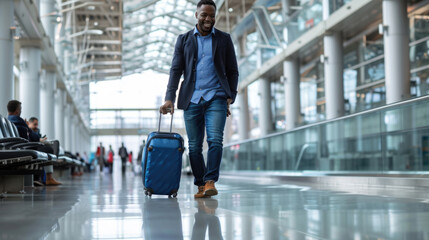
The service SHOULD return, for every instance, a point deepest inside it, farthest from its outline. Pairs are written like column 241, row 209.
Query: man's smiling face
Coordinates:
column 205, row 15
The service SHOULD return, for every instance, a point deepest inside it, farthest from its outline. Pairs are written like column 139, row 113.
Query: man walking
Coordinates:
column 100, row 154
column 206, row 58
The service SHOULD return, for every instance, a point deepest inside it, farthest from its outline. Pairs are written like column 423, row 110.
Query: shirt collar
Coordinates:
column 198, row 32
column 15, row 118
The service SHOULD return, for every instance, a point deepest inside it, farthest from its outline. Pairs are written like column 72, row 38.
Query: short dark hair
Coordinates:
column 32, row 119
column 13, row 105
column 206, row 2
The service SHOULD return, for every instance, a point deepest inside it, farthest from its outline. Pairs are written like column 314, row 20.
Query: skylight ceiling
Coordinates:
column 150, row 31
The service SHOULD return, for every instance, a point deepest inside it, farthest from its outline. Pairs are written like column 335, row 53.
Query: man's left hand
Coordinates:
column 228, row 111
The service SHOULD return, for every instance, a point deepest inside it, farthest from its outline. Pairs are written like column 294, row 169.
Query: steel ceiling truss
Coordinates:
column 150, row 33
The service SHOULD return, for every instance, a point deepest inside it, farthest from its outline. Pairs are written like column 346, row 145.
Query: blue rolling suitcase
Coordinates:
column 162, row 162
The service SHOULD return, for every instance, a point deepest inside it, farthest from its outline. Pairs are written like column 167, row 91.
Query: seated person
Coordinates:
column 14, row 115
column 33, row 124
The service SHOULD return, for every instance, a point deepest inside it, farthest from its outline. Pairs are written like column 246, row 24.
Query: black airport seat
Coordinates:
column 11, row 141
column 16, row 158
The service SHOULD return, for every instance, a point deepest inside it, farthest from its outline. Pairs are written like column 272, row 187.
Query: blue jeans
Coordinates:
column 207, row 116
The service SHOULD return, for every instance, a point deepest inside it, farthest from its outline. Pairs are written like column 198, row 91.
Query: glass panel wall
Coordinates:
column 334, row 5
column 313, row 94
column 420, row 83
column 301, row 21
column 254, row 104
column 265, row 26
column 419, row 54
column 134, row 118
column 248, row 64
column 364, row 70
column 363, row 74
column 278, row 102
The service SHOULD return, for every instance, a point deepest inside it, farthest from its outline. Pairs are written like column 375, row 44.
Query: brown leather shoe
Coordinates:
column 200, row 193
column 52, row 182
column 209, row 188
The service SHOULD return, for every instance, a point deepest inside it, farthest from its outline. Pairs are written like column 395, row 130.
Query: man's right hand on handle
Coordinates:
column 167, row 107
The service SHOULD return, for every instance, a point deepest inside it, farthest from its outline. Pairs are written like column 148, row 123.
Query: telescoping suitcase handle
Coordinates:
column 159, row 122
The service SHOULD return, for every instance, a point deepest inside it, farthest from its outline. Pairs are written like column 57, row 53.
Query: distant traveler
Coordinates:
column 100, row 155
column 206, row 58
column 110, row 155
column 130, row 157
column 123, row 154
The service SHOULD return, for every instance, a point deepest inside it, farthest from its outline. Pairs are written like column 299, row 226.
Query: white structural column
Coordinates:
column 48, row 78
column 334, row 90
column 265, row 118
column 73, row 133
column 67, row 127
column 59, row 116
column 396, row 50
column 292, row 93
column 80, row 139
column 326, row 11
column 59, row 46
column 6, row 56
column 86, row 140
column 48, row 15
column 244, row 126
column 66, row 53
column 47, row 104
column 29, row 81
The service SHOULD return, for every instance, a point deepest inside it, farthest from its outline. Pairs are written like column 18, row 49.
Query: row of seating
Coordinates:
column 18, row 156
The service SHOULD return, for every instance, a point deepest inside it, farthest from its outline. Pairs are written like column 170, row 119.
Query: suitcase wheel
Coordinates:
column 174, row 195
column 147, row 193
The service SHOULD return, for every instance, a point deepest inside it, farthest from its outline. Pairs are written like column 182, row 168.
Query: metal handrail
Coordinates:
column 385, row 107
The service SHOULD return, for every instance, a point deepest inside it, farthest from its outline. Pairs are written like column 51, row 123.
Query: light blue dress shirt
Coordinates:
column 207, row 84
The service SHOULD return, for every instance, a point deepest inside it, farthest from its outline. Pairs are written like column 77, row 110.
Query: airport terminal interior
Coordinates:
column 328, row 136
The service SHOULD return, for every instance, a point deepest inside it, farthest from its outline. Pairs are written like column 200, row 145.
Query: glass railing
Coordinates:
column 392, row 138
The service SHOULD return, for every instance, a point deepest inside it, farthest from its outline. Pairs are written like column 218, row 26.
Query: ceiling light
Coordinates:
column 230, row 10
column 94, row 31
column 91, row 7
column 95, row 23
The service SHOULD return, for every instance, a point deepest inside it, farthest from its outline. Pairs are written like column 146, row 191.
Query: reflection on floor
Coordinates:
column 102, row 206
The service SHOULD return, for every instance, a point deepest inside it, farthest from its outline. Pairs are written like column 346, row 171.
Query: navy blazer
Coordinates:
column 185, row 62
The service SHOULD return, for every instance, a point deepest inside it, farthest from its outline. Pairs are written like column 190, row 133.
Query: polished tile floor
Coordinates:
column 103, row 206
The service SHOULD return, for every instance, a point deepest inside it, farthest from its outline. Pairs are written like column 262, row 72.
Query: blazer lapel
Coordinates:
column 194, row 43
column 214, row 44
